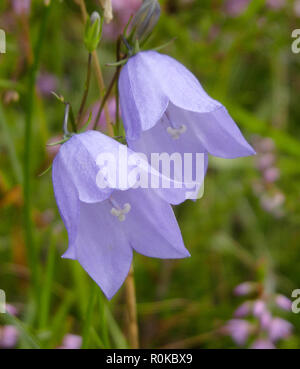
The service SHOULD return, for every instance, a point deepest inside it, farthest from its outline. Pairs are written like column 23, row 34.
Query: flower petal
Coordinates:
column 102, row 247
column 157, row 141
column 148, row 82
column 67, row 201
column 77, row 162
column 141, row 98
column 151, row 226
column 215, row 130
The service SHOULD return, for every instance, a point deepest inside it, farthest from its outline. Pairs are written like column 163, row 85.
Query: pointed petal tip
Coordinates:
column 69, row 254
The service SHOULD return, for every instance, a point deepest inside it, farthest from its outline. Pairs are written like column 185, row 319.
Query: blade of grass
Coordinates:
column 16, row 165
column 29, row 238
column 115, row 331
column 28, row 338
column 46, row 291
column 88, row 316
column 103, row 321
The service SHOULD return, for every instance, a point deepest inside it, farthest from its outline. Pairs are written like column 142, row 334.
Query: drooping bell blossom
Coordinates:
column 165, row 109
column 106, row 223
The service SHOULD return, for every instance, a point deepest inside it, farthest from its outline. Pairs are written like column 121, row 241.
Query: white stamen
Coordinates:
column 115, row 212
column 127, row 208
column 120, row 213
column 175, row 133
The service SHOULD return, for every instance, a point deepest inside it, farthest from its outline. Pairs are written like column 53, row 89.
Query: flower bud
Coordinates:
column 107, row 10
column 145, row 19
column 93, row 32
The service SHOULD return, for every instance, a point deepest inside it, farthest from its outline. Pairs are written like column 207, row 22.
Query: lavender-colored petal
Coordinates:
column 151, row 226
column 67, row 200
column 148, row 82
column 76, row 160
column 216, row 131
column 102, row 248
column 157, row 140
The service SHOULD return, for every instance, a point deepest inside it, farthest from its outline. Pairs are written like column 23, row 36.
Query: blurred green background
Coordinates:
column 245, row 228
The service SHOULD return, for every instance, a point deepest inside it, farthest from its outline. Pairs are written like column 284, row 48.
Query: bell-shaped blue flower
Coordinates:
column 105, row 224
column 165, row 109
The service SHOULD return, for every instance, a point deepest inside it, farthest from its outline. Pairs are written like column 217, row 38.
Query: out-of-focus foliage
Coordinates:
column 245, row 228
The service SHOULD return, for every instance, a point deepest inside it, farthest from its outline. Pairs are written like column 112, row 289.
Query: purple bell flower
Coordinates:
column 105, row 225
column 165, row 109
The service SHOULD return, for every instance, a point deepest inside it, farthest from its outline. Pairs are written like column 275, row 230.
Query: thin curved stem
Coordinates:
column 98, row 71
column 133, row 331
column 104, row 100
column 86, row 89
column 28, row 226
column 117, row 88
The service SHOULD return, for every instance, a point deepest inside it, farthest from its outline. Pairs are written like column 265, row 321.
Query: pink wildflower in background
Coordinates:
column 234, row 8
column 71, row 342
column 122, row 11
column 21, row 6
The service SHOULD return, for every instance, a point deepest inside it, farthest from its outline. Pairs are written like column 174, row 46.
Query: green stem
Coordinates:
column 117, row 87
column 86, row 89
column 105, row 98
column 88, row 317
column 28, row 226
column 10, row 147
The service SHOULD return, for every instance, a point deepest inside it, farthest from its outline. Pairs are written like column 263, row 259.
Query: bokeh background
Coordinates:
column 243, row 235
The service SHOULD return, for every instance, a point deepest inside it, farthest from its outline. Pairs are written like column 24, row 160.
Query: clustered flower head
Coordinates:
column 254, row 324
column 271, row 198
column 165, row 110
